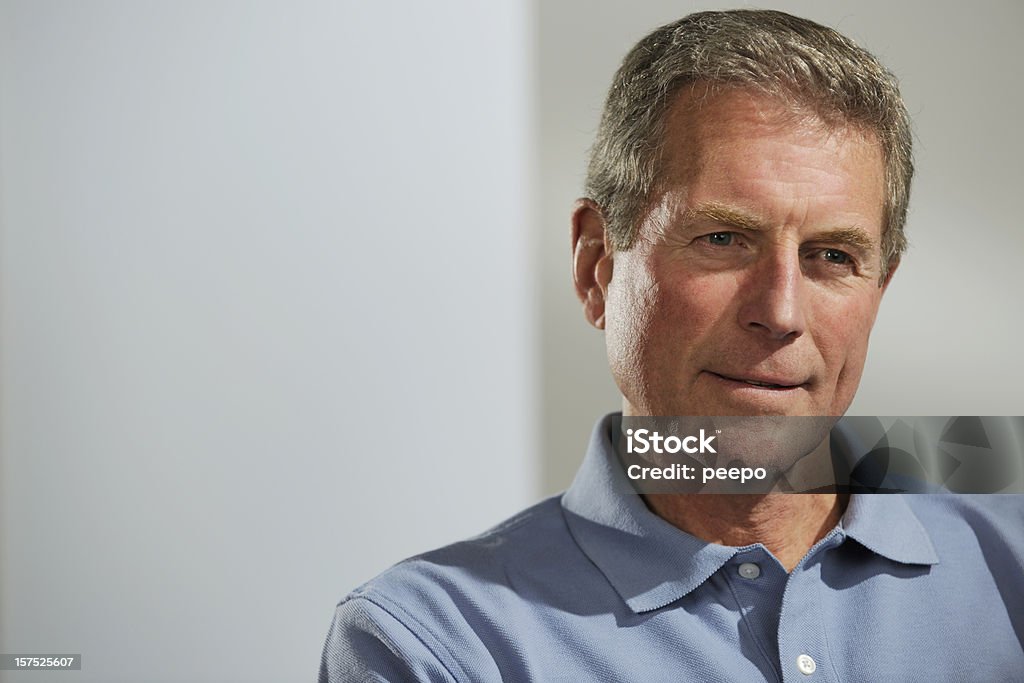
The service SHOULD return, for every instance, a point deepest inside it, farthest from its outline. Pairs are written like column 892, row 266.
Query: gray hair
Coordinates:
column 807, row 65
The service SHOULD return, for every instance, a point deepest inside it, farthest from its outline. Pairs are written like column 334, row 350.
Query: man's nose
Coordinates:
column 774, row 294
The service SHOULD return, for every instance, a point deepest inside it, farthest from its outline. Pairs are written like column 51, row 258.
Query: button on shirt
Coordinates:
column 592, row 586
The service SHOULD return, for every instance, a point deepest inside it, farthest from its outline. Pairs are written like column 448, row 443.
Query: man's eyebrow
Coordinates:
column 852, row 237
column 726, row 215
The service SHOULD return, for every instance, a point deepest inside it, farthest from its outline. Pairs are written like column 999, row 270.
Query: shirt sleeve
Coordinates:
column 367, row 643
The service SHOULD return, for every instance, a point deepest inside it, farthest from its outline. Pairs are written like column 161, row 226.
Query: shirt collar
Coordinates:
column 884, row 524
column 651, row 563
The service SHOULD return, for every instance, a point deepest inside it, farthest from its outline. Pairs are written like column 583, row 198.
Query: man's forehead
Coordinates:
column 703, row 116
column 717, row 144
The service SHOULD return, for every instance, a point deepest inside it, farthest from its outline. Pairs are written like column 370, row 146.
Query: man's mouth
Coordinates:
column 763, row 383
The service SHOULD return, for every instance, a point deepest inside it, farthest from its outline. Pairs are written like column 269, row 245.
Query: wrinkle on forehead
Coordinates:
column 702, row 112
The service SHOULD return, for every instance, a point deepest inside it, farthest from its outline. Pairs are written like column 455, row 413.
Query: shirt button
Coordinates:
column 749, row 570
column 806, row 665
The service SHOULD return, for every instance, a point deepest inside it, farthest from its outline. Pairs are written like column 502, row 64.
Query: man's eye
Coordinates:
column 838, row 257
column 722, row 239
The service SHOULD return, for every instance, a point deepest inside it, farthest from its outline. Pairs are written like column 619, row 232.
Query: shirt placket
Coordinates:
column 804, row 655
column 757, row 582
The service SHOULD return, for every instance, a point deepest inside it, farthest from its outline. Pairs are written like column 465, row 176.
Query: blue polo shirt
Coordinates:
column 592, row 586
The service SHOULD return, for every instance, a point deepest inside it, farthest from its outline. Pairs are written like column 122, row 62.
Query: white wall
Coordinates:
column 261, row 262
column 947, row 339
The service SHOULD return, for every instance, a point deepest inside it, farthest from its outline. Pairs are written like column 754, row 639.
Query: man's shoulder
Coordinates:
column 986, row 509
column 991, row 523
column 450, row 607
column 526, row 565
column 509, row 550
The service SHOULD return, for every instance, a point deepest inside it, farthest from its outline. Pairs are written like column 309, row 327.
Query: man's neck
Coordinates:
column 787, row 524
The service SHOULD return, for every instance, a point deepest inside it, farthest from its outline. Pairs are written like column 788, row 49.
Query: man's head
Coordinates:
column 747, row 194
column 813, row 69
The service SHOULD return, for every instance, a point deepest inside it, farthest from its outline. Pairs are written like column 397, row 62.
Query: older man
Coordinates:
column 747, row 195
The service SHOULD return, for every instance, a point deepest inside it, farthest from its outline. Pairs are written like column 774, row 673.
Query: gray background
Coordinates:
column 265, row 331
column 285, row 296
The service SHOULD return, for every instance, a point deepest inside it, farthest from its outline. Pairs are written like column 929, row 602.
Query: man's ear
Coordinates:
column 591, row 260
column 888, row 276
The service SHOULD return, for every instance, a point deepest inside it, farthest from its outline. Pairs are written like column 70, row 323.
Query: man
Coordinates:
column 746, row 201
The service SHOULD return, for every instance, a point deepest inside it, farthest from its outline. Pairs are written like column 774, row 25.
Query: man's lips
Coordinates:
column 761, row 381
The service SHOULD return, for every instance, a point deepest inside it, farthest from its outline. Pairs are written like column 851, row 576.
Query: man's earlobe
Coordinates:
column 591, row 260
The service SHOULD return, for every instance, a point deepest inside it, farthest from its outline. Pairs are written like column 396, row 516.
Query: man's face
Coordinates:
column 753, row 282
